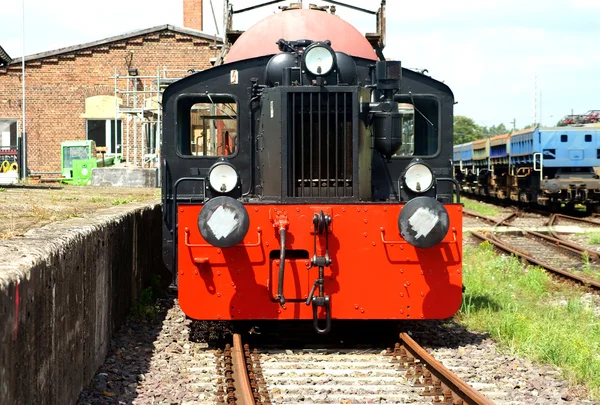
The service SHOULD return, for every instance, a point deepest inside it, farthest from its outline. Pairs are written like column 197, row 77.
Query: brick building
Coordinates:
column 105, row 90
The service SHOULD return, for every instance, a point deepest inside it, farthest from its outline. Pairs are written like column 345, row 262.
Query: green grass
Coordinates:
column 594, row 238
column 144, row 307
column 587, row 268
column 120, row 201
column 479, row 208
column 531, row 316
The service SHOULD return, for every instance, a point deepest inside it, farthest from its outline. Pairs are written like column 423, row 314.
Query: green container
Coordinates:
column 82, row 171
column 107, row 161
column 75, row 150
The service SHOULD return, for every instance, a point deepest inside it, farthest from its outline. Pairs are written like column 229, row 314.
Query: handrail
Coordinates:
column 174, row 217
column 189, row 244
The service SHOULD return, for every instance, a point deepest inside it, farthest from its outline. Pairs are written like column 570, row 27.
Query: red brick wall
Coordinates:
column 192, row 14
column 57, row 87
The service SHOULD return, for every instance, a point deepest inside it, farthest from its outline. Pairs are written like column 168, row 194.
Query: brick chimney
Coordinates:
column 192, row 14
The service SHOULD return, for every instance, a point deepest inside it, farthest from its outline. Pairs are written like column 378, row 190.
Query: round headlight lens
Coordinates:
column 418, row 178
column 318, row 60
column 223, row 177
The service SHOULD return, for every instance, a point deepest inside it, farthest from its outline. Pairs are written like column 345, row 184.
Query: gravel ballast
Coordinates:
column 162, row 362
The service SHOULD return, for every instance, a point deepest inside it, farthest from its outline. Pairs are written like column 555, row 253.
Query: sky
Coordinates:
column 505, row 60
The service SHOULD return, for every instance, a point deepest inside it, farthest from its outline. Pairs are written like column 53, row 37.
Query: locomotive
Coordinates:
column 549, row 167
column 309, row 178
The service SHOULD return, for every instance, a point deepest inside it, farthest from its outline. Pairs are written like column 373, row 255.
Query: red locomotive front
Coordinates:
column 312, row 181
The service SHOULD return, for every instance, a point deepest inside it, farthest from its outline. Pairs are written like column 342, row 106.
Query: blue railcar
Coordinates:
column 456, row 155
column 500, row 149
column 467, row 153
column 569, row 147
column 548, row 166
column 522, row 146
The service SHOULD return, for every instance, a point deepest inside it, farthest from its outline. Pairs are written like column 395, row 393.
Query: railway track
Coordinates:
column 525, row 207
column 405, row 374
column 589, row 222
column 557, row 255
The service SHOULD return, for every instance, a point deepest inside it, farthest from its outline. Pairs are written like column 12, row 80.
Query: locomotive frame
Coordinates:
column 315, row 201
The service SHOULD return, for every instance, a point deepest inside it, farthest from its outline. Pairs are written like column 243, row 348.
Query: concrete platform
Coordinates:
column 64, row 289
column 124, row 177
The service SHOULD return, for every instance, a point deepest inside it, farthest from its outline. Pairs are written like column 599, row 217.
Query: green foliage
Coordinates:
column 479, row 208
column 143, row 307
column 2, row 189
column 466, row 130
column 530, row 315
column 120, row 201
column 594, row 238
column 494, row 130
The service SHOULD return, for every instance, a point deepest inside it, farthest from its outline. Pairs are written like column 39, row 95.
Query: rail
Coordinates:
column 494, row 240
column 448, row 379
column 554, row 239
column 244, row 383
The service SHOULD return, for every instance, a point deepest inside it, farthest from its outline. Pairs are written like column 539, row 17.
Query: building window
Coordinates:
column 106, row 133
column 564, row 138
column 8, row 134
column 588, row 137
column 151, row 137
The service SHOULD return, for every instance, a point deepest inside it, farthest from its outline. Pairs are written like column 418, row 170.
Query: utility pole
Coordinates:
column 534, row 99
column 514, row 122
column 24, row 132
column 541, row 116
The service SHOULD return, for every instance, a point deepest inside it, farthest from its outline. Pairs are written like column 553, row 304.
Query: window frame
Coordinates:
column 108, row 137
column 399, row 98
column 178, row 110
column 11, row 146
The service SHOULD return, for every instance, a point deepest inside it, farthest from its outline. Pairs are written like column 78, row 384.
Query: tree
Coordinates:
column 494, row 130
column 465, row 130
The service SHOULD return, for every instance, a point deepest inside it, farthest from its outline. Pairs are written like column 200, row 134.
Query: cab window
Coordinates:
column 420, row 136
column 208, row 126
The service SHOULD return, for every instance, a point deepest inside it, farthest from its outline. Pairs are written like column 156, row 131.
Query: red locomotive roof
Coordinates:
column 259, row 40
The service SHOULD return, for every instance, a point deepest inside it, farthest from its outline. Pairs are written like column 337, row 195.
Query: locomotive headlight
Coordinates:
column 223, row 177
column 418, row 177
column 319, row 59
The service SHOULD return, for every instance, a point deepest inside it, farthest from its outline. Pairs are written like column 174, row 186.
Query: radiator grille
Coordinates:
column 321, row 163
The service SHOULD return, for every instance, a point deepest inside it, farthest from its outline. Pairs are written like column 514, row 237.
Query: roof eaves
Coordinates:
column 133, row 34
column 4, row 58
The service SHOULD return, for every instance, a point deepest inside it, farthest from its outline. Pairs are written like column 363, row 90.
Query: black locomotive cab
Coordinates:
column 309, row 125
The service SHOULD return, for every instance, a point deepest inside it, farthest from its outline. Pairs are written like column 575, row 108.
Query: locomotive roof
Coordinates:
column 569, row 129
column 261, row 38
